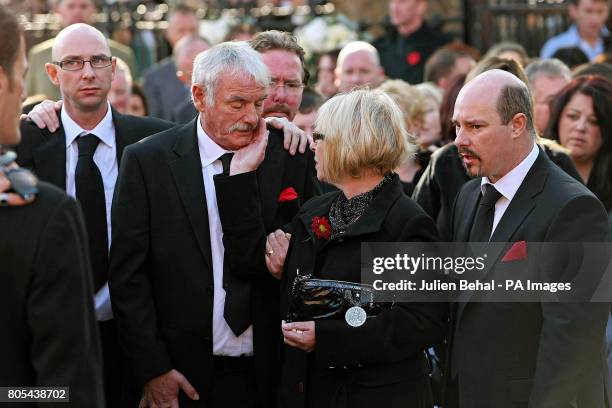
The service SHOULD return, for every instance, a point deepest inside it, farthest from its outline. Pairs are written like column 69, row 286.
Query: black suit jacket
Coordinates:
column 163, row 89
column 161, row 262
column 49, row 335
column 44, row 152
column 389, row 348
column 532, row 354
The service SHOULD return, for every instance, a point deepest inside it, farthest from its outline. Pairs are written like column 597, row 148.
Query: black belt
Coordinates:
column 226, row 363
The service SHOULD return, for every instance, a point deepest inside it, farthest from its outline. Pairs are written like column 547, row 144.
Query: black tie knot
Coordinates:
column 490, row 197
column 87, row 144
column 226, row 160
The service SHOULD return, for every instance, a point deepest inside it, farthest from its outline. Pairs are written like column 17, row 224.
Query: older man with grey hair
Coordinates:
column 546, row 78
column 197, row 310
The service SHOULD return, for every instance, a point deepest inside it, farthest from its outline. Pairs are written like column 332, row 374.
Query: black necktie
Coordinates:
column 237, row 309
column 483, row 221
column 90, row 193
column 226, row 161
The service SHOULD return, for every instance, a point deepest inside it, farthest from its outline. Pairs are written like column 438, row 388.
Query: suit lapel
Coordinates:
column 522, row 204
column 50, row 158
column 270, row 179
column 187, row 173
column 123, row 131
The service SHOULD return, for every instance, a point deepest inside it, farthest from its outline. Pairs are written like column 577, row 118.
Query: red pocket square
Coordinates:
column 516, row 253
column 288, row 194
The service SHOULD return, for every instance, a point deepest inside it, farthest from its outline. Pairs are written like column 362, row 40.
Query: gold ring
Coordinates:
column 270, row 252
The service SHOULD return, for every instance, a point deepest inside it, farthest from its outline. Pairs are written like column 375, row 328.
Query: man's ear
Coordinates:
column 519, row 124
column 52, row 73
column 198, row 95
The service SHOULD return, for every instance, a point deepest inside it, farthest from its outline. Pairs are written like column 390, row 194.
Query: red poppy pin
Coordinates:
column 413, row 58
column 288, row 194
column 321, row 228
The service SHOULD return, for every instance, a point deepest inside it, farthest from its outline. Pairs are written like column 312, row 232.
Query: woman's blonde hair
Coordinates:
column 363, row 129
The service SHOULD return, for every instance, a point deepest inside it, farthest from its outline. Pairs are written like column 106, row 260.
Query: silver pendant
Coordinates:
column 355, row 316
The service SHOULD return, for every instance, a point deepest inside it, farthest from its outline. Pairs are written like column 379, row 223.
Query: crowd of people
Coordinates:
column 177, row 208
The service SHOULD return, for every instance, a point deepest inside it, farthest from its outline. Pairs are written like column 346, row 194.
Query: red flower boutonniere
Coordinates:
column 288, row 194
column 413, row 58
column 321, row 228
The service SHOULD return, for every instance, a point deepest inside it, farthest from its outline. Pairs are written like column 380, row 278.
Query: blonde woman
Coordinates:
column 360, row 138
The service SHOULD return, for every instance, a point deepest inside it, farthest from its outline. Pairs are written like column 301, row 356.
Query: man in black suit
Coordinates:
column 83, row 156
column 49, row 335
column 163, row 88
column 520, row 354
column 196, row 329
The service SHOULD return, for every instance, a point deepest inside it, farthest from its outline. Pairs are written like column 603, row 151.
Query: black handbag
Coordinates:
column 316, row 299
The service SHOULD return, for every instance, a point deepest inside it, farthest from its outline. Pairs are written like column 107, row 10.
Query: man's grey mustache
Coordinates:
column 242, row 127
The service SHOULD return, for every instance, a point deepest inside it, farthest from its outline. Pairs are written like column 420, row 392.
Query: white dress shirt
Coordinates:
column 105, row 158
column 509, row 184
column 225, row 343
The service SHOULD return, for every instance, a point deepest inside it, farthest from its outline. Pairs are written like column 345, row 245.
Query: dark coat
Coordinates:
column 385, row 359
column 161, row 262
column 405, row 57
column 49, row 335
column 163, row 89
column 531, row 354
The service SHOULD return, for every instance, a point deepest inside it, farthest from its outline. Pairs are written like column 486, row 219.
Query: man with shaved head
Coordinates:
column 83, row 155
column 68, row 12
column 358, row 66
column 532, row 354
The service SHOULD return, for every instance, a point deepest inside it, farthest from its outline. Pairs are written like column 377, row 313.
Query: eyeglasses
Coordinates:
column 292, row 87
column 98, row 61
column 317, row 137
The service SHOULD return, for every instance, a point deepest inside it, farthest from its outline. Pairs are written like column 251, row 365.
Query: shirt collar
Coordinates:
column 510, row 183
column 209, row 150
column 104, row 130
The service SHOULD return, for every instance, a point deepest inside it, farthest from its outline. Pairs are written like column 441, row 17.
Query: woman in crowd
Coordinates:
column 360, row 138
column 413, row 105
column 581, row 120
column 138, row 105
column 430, row 132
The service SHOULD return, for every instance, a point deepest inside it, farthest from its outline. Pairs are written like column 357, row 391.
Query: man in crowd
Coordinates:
column 197, row 323
column 163, row 89
column 358, row 65
column 410, row 41
column 284, row 59
column 69, row 12
column 185, row 51
column 121, row 87
column 546, row 78
column 589, row 32
column 448, row 63
column 533, row 354
column 49, row 335
column 82, row 156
